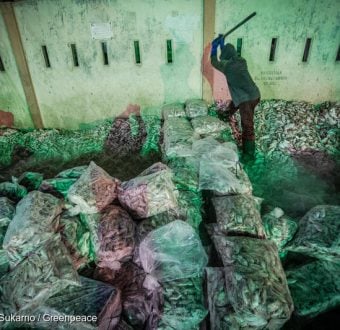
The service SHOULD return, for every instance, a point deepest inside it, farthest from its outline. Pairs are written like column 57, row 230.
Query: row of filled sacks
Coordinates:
column 250, row 290
column 182, row 126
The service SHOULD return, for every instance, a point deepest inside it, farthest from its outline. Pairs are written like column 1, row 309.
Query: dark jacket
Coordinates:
column 241, row 86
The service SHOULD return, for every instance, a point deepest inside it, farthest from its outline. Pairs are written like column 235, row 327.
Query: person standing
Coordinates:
column 244, row 93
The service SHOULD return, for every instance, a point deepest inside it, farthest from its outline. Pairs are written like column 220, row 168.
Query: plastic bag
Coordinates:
column 183, row 304
column 35, row 221
column 209, row 126
column 116, row 240
column 148, row 195
column 76, row 238
column 318, row 233
column 30, row 180
column 202, row 146
column 4, row 263
column 6, row 214
column 90, row 298
column 279, row 228
column 238, row 215
column 141, row 296
column 72, row 173
column 173, row 110
column 185, row 173
column 195, row 108
column 44, row 272
column 315, row 287
column 221, row 172
column 190, row 208
column 172, row 252
column 149, row 224
column 178, row 137
column 12, row 190
column 217, row 299
column 94, row 190
column 255, row 282
column 58, row 187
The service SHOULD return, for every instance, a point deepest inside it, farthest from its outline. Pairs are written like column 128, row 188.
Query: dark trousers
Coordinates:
column 247, row 118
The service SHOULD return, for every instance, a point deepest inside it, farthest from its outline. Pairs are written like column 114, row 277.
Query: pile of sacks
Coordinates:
column 84, row 243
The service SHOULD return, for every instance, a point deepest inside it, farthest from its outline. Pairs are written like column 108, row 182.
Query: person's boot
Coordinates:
column 248, row 151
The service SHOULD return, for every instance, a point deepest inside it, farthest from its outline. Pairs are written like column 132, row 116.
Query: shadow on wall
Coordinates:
column 216, row 79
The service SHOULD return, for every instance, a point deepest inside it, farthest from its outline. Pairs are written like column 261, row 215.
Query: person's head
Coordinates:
column 228, row 52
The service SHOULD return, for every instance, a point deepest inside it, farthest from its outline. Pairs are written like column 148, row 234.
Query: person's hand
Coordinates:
column 215, row 44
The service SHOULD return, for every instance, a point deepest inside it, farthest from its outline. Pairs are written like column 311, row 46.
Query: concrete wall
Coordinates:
column 12, row 97
column 69, row 96
column 291, row 21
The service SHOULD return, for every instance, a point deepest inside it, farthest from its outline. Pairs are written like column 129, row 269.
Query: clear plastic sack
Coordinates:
column 196, row 107
column 185, row 173
column 238, row 215
column 173, row 110
column 255, row 282
column 94, row 190
column 279, row 228
column 217, row 298
column 172, row 252
column 178, row 137
column 116, row 239
column 45, row 271
column 6, row 214
column 318, row 234
column 4, row 263
column 202, row 146
column 221, row 172
column 76, row 238
column 183, row 304
column 315, row 287
column 35, row 221
column 209, row 126
column 148, row 195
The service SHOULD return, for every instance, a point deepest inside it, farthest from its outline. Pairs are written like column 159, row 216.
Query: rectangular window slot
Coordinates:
column 74, row 55
column 272, row 50
column 338, row 55
column 137, row 52
column 169, row 51
column 239, row 46
column 105, row 57
column 2, row 67
column 306, row 51
column 46, row 58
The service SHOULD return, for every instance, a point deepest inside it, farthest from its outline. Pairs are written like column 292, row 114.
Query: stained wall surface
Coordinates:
column 12, row 97
column 291, row 22
column 70, row 95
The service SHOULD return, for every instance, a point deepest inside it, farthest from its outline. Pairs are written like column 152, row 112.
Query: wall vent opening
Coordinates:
column 46, row 57
column 272, row 50
column 307, row 49
column 74, row 55
column 137, row 52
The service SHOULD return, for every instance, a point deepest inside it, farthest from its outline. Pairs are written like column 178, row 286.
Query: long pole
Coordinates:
column 239, row 24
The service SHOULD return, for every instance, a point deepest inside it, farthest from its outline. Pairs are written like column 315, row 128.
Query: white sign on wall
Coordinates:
column 101, row 31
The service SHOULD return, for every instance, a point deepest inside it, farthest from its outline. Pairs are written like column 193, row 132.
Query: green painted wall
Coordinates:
column 12, row 97
column 291, row 21
column 69, row 96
